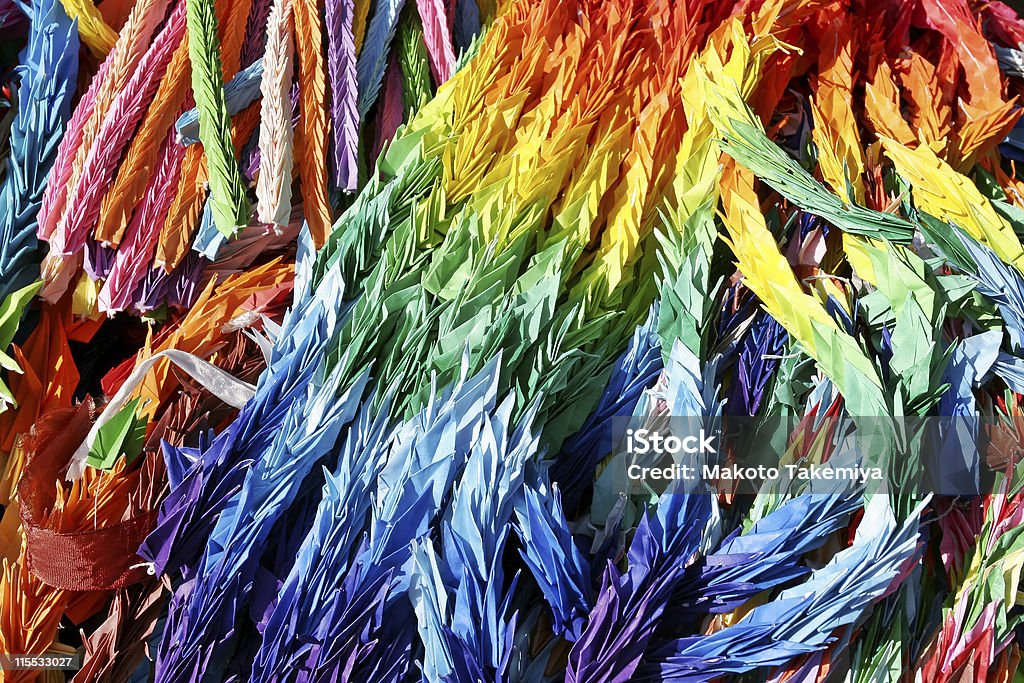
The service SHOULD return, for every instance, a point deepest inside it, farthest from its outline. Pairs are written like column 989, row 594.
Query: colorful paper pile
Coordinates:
column 322, row 325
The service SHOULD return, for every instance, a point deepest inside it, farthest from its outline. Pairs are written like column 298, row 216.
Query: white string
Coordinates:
column 150, row 567
column 221, row 384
